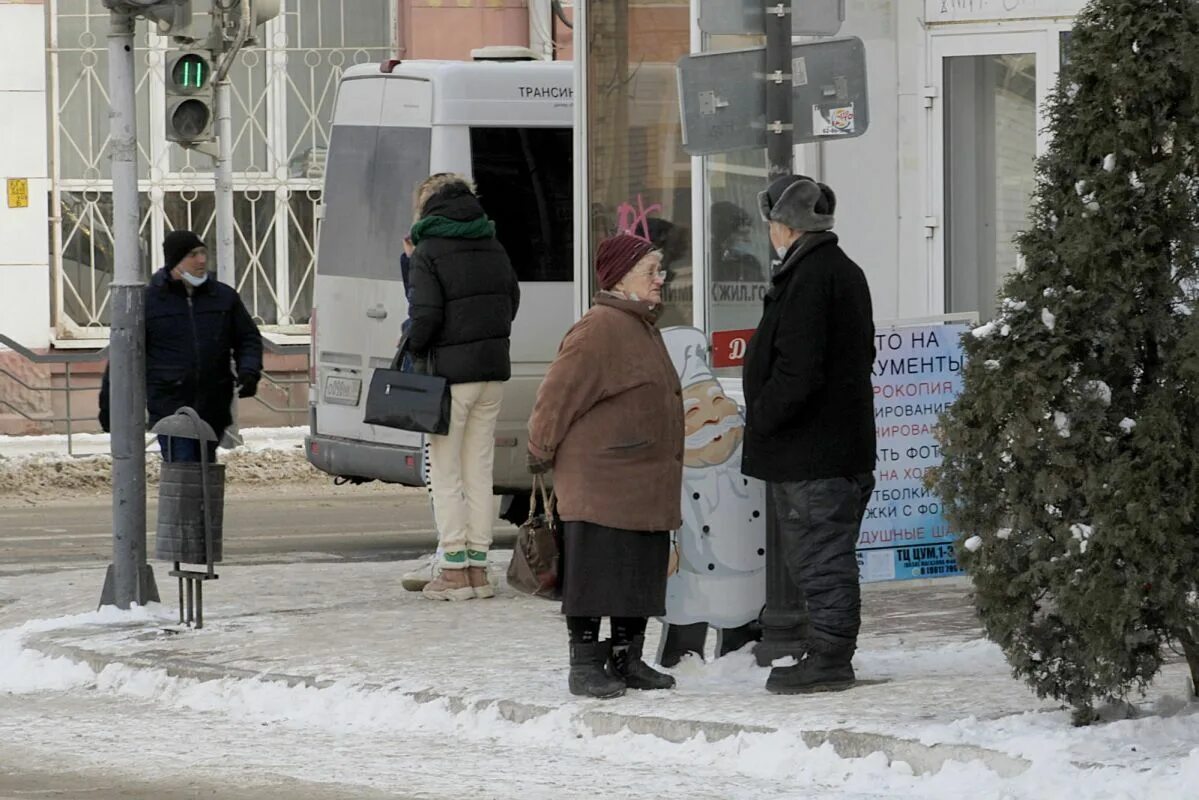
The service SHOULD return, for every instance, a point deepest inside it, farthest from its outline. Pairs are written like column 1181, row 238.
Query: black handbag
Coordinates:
column 409, row 401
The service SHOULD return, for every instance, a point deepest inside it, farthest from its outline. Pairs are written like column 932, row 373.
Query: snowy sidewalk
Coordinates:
column 934, row 696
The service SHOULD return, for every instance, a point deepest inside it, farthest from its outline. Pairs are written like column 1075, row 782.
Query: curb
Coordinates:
column 924, row 759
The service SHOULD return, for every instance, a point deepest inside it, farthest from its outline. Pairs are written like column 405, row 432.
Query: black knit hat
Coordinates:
column 177, row 244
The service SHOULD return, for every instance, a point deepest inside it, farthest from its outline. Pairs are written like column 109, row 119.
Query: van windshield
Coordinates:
column 368, row 199
column 524, row 177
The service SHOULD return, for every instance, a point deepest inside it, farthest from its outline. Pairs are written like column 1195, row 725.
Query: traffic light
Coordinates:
column 189, row 97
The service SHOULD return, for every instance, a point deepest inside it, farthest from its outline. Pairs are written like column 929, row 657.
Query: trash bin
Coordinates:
column 181, row 512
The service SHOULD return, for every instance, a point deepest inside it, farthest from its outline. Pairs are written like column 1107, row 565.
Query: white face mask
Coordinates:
column 782, row 251
column 193, row 280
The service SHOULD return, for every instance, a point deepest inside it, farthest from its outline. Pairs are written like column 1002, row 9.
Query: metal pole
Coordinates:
column 223, row 173
column 224, row 215
column 224, row 185
column 784, row 619
column 780, row 137
column 129, row 579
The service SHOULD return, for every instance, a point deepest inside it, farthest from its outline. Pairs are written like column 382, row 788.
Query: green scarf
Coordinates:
column 445, row 228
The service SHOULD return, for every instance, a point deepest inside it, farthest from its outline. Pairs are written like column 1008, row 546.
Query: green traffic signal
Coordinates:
column 190, row 72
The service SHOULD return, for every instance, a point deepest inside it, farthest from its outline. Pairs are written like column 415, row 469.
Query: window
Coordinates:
column 369, row 200
column 990, row 152
column 525, row 182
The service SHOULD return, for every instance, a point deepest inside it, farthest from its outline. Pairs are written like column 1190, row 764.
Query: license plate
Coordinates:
column 342, row 391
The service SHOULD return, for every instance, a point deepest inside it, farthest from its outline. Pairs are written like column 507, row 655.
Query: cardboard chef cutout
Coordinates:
column 721, row 547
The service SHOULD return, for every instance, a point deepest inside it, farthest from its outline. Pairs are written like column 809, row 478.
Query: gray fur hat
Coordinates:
column 798, row 202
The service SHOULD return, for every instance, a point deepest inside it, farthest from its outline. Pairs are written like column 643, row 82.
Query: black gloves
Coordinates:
column 247, row 384
column 539, row 466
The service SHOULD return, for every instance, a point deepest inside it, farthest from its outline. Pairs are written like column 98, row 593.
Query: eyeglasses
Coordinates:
column 659, row 274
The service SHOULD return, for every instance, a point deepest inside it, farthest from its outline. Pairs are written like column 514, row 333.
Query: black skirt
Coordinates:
column 610, row 572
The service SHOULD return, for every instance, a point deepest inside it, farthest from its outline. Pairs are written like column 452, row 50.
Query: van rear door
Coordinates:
column 379, row 150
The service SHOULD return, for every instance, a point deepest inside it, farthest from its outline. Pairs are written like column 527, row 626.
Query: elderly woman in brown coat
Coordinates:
column 609, row 421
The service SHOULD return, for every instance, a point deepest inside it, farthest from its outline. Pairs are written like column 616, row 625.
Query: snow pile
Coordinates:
column 1081, row 534
column 1062, row 423
column 24, row 671
column 983, row 331
column 32, row 467
column 1098, row 390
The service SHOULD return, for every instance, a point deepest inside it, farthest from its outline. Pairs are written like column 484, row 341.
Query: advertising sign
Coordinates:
column 917, row 375
column 720, row 552
column 728, row 347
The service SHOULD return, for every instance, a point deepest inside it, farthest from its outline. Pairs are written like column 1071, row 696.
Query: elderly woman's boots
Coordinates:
column 626, row 664
column 588, row 677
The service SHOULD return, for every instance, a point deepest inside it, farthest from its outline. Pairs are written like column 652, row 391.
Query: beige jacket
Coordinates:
column 609, row 414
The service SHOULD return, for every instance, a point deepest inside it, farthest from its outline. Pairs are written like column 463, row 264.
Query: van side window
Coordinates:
column 524, row 177
column 368, row 199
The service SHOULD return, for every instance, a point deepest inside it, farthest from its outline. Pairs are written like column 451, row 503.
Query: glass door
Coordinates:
column 986, row 133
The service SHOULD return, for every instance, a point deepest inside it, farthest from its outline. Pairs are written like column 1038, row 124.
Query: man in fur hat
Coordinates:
column 810, row 422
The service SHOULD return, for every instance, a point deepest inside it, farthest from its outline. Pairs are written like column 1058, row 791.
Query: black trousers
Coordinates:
column 819, row 525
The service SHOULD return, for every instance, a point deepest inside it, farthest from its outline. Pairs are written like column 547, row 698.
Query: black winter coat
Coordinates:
column 194, row 344
column 464, row 295
column 809, row 399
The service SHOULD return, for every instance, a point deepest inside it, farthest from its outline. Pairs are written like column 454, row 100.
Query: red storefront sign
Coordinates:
column 728, row 347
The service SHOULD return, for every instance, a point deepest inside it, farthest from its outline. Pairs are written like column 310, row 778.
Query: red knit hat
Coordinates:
column 616, row 255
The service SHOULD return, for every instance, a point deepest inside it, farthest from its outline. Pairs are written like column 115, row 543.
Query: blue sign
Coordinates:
column 917, row 375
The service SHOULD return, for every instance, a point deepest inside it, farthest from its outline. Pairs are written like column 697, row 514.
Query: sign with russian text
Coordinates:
column 917, row 375
column 997, row 10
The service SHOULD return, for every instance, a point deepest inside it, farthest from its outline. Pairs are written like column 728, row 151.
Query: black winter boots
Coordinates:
column 588, row 677
column 626, row 664
column 820, row 670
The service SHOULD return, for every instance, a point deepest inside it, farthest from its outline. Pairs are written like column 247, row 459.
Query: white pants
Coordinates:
column 462, row 462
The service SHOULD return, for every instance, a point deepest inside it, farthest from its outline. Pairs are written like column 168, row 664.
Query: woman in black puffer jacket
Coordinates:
column 464, row 296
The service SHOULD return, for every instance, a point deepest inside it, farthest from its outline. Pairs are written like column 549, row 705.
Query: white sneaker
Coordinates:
column 419, row 578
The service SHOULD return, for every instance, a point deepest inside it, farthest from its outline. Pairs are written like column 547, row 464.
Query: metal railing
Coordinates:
column 66, row 359
column 284, row 383
column 281, row 381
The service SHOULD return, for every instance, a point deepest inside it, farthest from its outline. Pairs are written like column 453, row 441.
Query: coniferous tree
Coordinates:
column 1071, row 458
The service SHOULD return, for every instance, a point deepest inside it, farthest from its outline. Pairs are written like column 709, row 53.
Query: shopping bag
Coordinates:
column 409, row 401
column 535, row 558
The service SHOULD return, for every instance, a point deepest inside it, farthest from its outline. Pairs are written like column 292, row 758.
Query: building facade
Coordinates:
column 56, row 252
column 929, row 197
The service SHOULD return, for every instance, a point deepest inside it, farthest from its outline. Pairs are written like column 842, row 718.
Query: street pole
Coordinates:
column 224, row 185
column 223, row 171
column 780, row 134
column 129, row 579
column 784, row 619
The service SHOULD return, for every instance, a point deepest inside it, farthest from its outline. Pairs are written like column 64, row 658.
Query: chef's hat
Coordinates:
column 688, row 348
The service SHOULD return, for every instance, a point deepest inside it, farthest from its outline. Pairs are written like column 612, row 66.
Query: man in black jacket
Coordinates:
column 810, row 422
column 199, row 340
column 464, row 295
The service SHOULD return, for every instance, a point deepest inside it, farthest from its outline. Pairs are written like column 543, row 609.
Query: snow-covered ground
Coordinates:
column 363, row 730
column 88, row 444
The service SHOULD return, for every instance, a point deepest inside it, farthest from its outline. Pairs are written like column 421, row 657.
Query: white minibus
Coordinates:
column 507, row 126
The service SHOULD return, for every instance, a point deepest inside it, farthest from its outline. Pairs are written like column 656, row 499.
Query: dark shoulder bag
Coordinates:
column 534, row 568
column 409, row 401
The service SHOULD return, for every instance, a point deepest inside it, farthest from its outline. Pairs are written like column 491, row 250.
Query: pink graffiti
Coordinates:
column 635, row 220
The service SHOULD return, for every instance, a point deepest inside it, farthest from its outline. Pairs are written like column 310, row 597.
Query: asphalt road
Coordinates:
column 338, row 523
